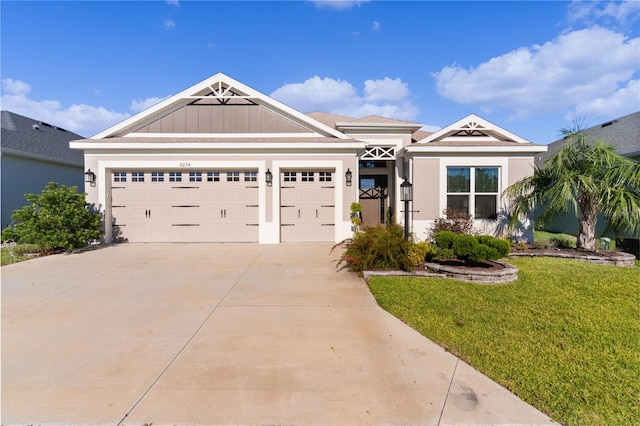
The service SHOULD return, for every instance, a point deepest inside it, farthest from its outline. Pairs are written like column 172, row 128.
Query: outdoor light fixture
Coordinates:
column 90, row 177
column 406, row 191
column 406, row 195
column 268, row 177
column 348, row 177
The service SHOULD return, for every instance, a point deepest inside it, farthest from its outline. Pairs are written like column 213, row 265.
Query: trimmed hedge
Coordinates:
column 469, row 248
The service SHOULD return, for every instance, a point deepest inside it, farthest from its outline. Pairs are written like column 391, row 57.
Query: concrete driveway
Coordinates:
column 223, row 334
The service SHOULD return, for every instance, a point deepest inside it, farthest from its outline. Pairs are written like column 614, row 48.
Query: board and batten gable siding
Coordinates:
column 218, row 118
column 426, row 182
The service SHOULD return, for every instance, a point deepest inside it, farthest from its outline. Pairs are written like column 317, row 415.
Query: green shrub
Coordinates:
column 378, row 247
column 469, row 248
column 500, row 245
column 444, row 239
column 58, row 218
column 419, row 252
column 8, row 235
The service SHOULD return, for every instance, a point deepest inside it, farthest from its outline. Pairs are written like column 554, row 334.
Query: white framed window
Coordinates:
column 157, row 176
column 119, row 176
column 474, row 190
column 324, row 176
column 250, row 176
column 233, row 176
column 175, row 176
column 195, row 176
column 213, row 176
column 307, row 176
column 290, row 176
column 137, row 176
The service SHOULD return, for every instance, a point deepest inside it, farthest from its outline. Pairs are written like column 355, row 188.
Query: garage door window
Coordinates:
column 307, row 177
column 175, row 176
column 195, row 176
column 137, row 176
column 233, row 176
column 290, row 176
column 213, row 176
column 324, row 176
column 157, row 176
column 251, row 176
column 119, row 177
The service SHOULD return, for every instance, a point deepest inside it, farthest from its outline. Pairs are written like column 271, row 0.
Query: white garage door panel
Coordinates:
column 205, row 211
column 307, row 212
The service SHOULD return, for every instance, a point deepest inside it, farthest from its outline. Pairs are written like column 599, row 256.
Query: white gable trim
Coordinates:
column 187, row 95
column 495, row 132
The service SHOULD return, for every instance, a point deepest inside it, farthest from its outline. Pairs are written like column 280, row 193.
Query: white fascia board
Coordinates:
column 474, row 149
column 185, row 97
column 222, row 135
column 375, row 126
column 216, row 146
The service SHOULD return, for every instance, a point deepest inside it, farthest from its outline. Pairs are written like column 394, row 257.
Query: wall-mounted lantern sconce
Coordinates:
column 90, row 177
column 348, row 177
column 268, row 177
column 406, row 195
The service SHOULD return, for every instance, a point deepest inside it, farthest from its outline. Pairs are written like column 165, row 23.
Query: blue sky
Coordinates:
column 530, row 67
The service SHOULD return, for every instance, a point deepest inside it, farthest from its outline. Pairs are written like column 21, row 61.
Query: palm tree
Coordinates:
column 585, row 178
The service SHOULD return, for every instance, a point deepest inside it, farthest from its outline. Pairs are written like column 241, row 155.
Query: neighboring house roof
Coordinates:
column 623, row 133
column 27, row 137
column 473, row 133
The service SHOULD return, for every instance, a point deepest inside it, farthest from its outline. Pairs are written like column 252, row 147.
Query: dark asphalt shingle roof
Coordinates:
column 34, row 137
column 623, row 133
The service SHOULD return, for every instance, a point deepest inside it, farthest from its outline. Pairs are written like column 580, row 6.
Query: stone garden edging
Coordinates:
column 619, row 259
column 506, row 275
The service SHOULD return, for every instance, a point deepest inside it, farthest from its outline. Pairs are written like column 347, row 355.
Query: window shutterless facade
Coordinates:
column 474, row 190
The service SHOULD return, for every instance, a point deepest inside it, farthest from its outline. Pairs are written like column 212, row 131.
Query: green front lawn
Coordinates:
column 565, row 337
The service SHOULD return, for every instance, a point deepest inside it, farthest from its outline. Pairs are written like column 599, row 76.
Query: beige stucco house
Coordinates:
column 222, row 162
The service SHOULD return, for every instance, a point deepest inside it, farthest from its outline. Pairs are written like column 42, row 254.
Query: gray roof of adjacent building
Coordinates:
column 622, row 133
column 36, row 139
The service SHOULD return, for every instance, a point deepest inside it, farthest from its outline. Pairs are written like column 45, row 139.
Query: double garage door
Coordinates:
column 217, row 206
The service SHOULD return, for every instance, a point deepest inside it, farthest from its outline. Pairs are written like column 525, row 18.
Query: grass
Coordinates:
column 18, row 253
column 564, row 337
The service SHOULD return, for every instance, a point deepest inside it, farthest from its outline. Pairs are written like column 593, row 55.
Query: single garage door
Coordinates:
column 178, row 206
column 307, row 206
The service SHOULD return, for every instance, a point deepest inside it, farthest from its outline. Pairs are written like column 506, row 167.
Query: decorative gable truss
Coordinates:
column 473, row 129
column 220, row 105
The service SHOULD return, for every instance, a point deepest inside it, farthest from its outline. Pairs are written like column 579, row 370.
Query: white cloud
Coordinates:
column 615, row 105
column 168, row 24
column 140, row 105
column 386, row 97
column 376, row 26
column 338, row 4
column 82, row 119
column 571, row 70
column 173, row 2
column 615, row 13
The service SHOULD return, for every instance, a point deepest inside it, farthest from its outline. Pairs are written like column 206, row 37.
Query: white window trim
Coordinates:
column 501, row 163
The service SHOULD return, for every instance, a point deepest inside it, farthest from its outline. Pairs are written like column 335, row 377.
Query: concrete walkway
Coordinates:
column 223, row 334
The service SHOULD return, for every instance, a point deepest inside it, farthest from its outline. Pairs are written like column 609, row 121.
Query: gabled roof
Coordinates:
column 36, row 139
column 473, row 134
column 216, row 93
column 623, row 133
